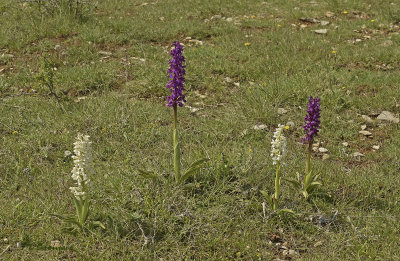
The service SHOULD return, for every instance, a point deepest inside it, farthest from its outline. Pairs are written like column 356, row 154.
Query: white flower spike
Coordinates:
column 278, row 148
column 83, row 165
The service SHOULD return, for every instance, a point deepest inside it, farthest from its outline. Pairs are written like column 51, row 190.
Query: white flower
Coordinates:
column 83, row 165
column 278, row 148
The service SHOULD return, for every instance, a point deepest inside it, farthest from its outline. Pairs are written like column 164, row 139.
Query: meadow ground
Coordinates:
column 249, row 63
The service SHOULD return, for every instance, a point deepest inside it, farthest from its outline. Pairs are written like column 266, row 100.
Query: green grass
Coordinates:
column 110, row 94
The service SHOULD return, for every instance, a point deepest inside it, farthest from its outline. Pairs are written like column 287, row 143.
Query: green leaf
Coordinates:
column 294, row 183
column 307, row 179
column 267, row 197
column 305, row 194
column 147, row 174
column 67, row 219
column 198, row 162
column 78, row 207
column 99, row 224
column 188, row 173
column 312, row 186
column 195, row 166
column 85, row 211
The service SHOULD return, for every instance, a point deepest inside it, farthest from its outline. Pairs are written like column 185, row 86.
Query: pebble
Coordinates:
column 363, row 127
column 388, row 116
column 367, row 119
column 260, row 127
column 228, row 79
column 282, row 111
column 323, row 23
column 290, row 124
column 325, row 156
column 357, row 154
column 55, row 243
column 376, row 147
column 321, row 31
column 365, row 133
column 323, row 150
column 329, row 14
column 105, row 53
column 346, row 144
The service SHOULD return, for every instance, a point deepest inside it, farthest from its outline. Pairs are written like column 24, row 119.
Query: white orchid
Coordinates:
column 278, row 148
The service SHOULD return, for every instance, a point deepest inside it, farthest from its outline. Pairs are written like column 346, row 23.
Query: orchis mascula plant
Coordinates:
column 311, row 129
column 80, row 174
column 278, row 151
column 175, row 86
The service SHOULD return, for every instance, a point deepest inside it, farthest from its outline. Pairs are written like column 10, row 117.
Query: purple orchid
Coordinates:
column 176, row 75
column 312, row 120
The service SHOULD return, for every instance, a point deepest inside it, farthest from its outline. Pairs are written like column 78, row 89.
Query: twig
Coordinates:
column 146, row 239
column 5, row 250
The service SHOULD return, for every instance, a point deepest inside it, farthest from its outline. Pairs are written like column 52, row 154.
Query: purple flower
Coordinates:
column 311, row 120
column 176, row 76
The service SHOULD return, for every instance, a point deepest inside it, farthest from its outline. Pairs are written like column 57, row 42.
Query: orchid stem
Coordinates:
column 308, row 177
column 177, row 160
column 277, row 187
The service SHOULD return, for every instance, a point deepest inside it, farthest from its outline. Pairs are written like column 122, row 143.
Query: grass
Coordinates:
column 110, row 73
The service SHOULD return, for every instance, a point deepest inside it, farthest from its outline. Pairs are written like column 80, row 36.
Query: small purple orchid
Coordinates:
column 312, row 120
column 176, row 75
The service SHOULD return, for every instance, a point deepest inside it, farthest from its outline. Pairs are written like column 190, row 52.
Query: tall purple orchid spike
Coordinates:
column 312, row 120
column 176, row 75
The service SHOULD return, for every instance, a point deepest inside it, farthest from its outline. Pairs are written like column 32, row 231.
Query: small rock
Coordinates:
column 192, row 109
column 367, row 119
column 388, row 116
column 376, row 147
column 260, row 127
column 329, row 14
column 346, row 144
column 229, row 19
column 324, row 23
column 105, row 53
column 365, row 133
column 373, row 114
column 290, row 124
column 55, row 243
column 197, row 42
column 387, row 43
column 325, row 156
column 57, row 47
column 292, row 252
column 7, row 55
column 237, row 84
column 319, row 243
column 228, row 79
column 216, row 17
column 363, row 127
column 357, row 154
column 5, row 240
column 282, row 111
column 321, row 31
column 19, row 244
column 310, row 20
column 162, row 18
column 323, row 150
